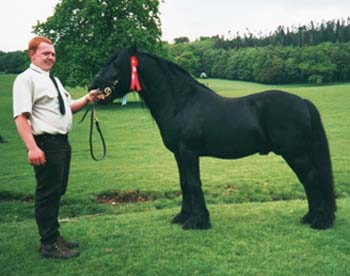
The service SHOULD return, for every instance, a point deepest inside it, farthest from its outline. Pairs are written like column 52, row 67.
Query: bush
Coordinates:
column 315, row 79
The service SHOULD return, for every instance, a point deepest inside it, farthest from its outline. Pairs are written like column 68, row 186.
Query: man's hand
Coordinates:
column 95, row 95
column 92, row 96
column 36, row 157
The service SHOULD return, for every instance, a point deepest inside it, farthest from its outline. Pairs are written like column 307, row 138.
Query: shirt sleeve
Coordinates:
column 22, row 96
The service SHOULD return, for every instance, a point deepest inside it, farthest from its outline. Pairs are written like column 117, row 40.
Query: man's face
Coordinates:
column 44, row 57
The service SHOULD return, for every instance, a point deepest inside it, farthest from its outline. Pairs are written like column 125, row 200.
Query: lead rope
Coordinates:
column 93, row 119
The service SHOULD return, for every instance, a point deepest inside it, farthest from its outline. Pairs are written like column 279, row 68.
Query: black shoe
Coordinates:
column 69, row 244
column 57, row 250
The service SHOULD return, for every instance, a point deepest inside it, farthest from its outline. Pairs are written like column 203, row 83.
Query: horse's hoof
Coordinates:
column 308, row 218
column 322, row 222
column 197, row 222
column 318, row 220
column 180, row 218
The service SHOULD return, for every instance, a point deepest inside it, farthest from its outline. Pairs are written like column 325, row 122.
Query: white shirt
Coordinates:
column 35, row 93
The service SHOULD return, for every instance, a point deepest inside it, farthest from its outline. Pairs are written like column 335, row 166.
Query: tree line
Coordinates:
column 87, row 32
column 313, row 53
column 310, row 34
column 13, row 62
column 316, row 64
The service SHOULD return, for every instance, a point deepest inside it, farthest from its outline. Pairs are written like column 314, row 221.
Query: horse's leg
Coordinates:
column 199, row 216
column 318, row 217
column 186, row 208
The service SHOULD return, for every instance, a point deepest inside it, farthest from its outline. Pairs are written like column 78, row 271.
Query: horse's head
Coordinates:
column 114, row 78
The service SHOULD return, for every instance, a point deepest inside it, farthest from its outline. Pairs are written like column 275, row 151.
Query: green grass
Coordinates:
column 246, row 239
column 252, row 234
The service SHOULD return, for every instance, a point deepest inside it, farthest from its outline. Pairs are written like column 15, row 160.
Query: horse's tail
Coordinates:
column 320, row 155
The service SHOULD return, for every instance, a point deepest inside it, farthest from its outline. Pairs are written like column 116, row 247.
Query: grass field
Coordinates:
column 255, row 202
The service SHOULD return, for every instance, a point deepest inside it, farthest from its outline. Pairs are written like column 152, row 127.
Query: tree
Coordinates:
column 87, row 32
column 181, row 39
column 317, row 66
column 188, row 61
column 13, row 62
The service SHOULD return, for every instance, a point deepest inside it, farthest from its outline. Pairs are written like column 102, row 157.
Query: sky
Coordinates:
column 190, row 18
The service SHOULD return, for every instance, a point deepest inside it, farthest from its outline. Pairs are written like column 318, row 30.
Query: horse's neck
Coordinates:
column 160, row 89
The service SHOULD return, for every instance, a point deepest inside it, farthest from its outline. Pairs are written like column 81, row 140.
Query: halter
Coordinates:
column 107, row 91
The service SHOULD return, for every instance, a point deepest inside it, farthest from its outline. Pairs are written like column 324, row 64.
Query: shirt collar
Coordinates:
column 39, row 70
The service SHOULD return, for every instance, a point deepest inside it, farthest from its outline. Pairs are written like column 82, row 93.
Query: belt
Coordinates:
column 51, row 136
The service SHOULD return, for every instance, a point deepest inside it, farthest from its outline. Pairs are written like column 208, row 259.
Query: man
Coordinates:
column 43, row 116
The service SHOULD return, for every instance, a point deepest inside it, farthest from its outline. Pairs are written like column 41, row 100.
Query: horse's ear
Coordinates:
column 133, row 49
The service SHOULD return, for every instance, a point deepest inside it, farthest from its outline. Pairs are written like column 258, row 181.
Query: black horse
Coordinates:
column 194, row 121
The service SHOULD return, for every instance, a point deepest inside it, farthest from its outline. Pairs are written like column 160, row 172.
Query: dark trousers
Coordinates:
column 51, row 184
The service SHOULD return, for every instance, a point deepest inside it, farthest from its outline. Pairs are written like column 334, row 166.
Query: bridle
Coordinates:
column 107, row 91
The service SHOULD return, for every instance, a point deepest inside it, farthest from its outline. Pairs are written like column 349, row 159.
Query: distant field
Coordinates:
column 135, row 238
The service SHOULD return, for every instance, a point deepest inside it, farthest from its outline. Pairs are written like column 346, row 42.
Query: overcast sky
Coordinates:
column 191, row 18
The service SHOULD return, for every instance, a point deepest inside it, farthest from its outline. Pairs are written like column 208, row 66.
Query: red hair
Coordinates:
column 35, row 41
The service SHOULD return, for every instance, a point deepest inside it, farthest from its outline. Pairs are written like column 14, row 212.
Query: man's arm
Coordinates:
column 35, row 155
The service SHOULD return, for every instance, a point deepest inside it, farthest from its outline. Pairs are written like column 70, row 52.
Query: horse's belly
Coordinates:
column 236, row 147
column 221, row 137
column 229, row 153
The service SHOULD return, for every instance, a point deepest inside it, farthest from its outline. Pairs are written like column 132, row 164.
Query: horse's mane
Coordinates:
column 176, row 72
column 112, row 58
